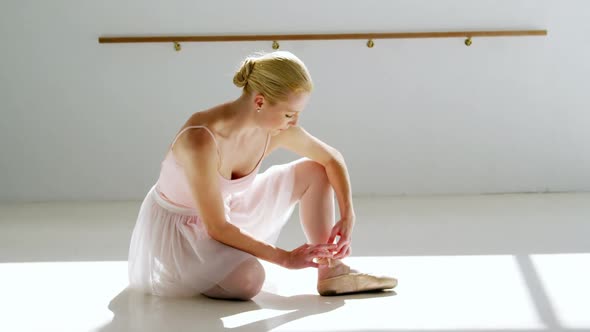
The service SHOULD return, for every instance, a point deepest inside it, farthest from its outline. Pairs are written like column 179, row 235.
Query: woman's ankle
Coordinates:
column 328, row 262
column 330, row 268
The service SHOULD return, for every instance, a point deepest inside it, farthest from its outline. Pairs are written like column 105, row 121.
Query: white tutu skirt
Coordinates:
column 171, row 253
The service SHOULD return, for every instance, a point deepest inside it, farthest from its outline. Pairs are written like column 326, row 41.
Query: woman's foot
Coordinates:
column 337, row 278
column 330, row 268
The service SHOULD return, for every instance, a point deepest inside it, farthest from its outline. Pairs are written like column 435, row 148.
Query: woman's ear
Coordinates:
column 259, row 100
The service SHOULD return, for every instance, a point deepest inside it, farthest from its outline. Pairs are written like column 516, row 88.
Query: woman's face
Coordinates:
column 284, row 114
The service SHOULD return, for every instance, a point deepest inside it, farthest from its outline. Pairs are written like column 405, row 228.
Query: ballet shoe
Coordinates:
column 354, row 282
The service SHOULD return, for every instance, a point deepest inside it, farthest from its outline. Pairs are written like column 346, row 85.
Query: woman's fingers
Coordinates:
column 322, row 254
column 333, row 234
column 342, row 245
column 341, row 251
column 308, row 252
column 344, row 253
column 323, row 246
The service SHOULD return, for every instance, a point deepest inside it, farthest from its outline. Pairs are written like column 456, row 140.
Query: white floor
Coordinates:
column 464, row 263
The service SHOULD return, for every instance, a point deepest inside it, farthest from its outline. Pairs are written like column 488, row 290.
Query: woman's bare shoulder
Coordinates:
column 208, row 117
column 197, row 141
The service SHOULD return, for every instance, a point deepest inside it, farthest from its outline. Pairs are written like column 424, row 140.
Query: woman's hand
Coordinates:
column 343, row 229
column 303, row 256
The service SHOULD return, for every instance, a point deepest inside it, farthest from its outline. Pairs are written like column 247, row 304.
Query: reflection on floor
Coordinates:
column 464, row 263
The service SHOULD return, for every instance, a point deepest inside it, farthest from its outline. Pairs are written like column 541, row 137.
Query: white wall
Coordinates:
column 88, row 121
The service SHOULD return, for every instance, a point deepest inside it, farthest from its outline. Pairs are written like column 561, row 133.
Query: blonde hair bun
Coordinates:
column 274, row 74
column 241, row 77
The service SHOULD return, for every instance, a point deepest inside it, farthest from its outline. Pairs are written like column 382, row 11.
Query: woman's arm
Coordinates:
column 301, row 142
column 340, row 180
column 298, row 140
column 198, row 154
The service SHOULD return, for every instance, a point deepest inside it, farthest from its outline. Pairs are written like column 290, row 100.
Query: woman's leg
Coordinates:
column 316, row 209
column 243, row 283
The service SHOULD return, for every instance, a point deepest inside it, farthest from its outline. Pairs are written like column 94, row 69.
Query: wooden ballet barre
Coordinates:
column 339, row 36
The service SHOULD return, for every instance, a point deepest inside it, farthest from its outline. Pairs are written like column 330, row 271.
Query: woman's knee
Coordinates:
column 308, row 173
column 245, row 281
column 251, row 278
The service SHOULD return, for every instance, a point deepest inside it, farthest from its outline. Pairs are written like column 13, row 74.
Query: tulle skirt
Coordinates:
column 171, row 253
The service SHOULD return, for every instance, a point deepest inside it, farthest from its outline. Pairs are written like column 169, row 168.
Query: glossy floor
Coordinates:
column 518, row 262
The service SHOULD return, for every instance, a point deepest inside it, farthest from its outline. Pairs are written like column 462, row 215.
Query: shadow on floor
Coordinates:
column 134, row 311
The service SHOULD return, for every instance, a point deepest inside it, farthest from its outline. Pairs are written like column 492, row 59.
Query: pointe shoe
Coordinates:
column 354, row 283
